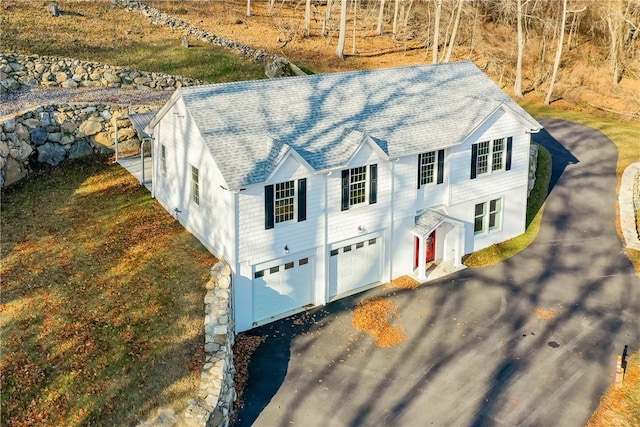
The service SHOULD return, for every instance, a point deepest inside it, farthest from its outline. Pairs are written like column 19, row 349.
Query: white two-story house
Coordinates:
column 314, row 188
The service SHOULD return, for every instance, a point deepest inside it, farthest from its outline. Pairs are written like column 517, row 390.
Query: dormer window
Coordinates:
column 281, row 203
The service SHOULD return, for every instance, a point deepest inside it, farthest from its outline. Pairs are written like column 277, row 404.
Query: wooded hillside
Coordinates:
column 517, row 42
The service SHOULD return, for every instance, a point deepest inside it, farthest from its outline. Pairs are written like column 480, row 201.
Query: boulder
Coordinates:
column 90, row 127
column 32, row 123
column 68, row 126
column 103, row 138
column 22, row 132
column 10, row 125
column 278, row 68
column 4, row 149
column 54, row 137
column 61, row 77
column 14, row 171
column 38, row 136
column 51, row 153
column 21, row 151
column 69, row 84
column 67, row 139
column 80, row 149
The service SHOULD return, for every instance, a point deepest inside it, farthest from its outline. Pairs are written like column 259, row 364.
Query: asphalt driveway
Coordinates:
column 476, row 353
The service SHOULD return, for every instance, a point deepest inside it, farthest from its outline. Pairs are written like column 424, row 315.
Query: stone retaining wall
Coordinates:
column 628, row 204
column 22, row 71
column 212, row 406
column 48, row 135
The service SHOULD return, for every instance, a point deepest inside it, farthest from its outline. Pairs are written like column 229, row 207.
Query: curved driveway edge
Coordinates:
column 627, row 207
column 529, row 342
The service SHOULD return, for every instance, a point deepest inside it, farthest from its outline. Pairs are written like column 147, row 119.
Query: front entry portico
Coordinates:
column 438, row 238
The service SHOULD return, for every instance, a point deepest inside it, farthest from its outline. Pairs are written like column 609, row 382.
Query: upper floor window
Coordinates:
column 491, row 156
column 281, row 203
column 285, row 192
column 487, row 216
column 195, row 185
column 430, row 168
column 359, row 186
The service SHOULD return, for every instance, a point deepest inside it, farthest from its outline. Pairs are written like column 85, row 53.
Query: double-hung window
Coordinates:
column 430, row 168
column 359, row 186
column 284, row 197
column 283, row 200
column 487, row 216
column 491, row 156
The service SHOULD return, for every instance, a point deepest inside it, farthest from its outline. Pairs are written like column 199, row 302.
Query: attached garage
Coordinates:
column 279, row 289
column 355, row 266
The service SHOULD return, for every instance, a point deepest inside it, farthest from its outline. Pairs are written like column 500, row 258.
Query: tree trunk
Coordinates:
column 454, row 32
column 517, row 89
column 343, row 29
column 307, row 16
column 248, row 7
column 380, row 28
column 436, row 31
column 327, row 16
column 355, row 13
column 395, row 19
column 556, row 63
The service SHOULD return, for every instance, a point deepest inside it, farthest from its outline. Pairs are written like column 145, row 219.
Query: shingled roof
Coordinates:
column 250, row 126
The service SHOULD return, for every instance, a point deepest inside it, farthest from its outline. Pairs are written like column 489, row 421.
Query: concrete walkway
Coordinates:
column 530, row 342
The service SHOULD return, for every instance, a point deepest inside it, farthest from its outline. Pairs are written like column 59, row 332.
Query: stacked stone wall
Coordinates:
column 48, row 135
column 212, row 406
column 27, row 71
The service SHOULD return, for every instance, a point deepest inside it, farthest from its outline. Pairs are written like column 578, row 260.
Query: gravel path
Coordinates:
column 20, row 100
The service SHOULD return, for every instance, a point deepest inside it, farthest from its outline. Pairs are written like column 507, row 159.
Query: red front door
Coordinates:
column 431, row 246
column 431, row 249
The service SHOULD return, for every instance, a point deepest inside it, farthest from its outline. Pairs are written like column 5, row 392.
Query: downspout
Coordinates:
column 391, row 218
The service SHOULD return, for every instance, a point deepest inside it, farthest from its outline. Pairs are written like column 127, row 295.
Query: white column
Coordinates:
column 457, row 262
column 422, row 258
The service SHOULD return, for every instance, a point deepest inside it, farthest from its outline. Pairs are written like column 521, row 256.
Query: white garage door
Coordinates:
column 354, row 266
column 282, row 288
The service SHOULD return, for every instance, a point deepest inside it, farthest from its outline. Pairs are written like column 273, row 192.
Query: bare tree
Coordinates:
column 307, row 16
column 556, row 63
column 380, row 28
column 248, row 7
column 436, row 31
column 395, row 19
column 343, row 29
column 327, row 17
column 454, row 32
column 517, row 88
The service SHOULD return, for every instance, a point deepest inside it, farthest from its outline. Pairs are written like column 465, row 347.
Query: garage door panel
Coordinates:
column 282, row 288
column 354, row 266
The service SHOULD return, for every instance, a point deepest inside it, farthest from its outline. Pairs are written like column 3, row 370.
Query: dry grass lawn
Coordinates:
column 101, row 304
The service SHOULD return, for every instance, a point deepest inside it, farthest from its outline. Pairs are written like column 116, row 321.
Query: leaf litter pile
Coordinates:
column 243, row 349
column 373, row 317
column 544, row 314
column 404, row 282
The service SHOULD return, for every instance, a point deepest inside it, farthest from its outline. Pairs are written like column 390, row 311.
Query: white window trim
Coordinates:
column 503, row 157
column 294, row 214
column 367, row 177
column 434, row 176
column 486, row 214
